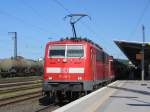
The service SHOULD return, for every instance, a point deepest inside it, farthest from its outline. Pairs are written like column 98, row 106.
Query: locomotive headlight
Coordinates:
column 50, row 78
column 79, row 78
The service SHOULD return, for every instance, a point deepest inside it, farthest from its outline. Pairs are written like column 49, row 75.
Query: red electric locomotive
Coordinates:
column 75, row 65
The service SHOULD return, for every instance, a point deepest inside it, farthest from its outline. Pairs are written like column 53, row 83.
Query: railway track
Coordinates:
column 19, row 98
column 19, row 79
column 27, row 97
column 20, row 91
column 4, row 85
column 19, row 86
column 48, row 108
column 34, row 100
column 11, row 92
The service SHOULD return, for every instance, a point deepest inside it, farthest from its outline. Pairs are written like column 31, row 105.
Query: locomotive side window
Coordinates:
column 57, row 51
column 105, row 58
column 99, row 56
column 75, row 51
column 91, row 56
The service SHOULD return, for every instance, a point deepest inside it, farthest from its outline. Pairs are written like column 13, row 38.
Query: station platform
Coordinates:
column 119, row 96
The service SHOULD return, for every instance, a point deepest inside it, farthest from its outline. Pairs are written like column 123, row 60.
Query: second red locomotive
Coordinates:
column 75, row 65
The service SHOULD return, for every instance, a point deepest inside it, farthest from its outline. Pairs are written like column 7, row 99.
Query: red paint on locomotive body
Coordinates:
column 66, row 67
column 76, row 61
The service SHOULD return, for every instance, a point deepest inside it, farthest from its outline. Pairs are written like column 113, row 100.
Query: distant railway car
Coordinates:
column 20, row 67
column 121, row 69
column 75, row 65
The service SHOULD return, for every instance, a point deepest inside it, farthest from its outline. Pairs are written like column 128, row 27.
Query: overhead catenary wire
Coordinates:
column 62, row 6
column 30, row 7
column 69, row 12
column 140, row 18
column 89, row 28
column 36, row 12
column 26, row 23
column 23, row 22
column 4, row 13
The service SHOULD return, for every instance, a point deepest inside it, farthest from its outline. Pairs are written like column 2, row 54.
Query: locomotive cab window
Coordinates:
column 75, row 51
column 57, row 51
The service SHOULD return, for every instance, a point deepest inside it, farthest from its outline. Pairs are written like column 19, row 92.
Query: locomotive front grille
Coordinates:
column 65, row 86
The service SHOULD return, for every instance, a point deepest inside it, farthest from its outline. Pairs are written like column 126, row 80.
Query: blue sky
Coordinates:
column 38, row 21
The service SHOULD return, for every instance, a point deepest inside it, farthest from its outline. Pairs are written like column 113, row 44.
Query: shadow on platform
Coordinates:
column 131, row 90
column 123, row 97
column 140, row 102
column 144, row 103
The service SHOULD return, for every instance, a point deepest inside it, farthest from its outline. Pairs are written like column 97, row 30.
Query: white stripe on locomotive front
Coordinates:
column 70, row 70
column 76, row 70
column 53, row 70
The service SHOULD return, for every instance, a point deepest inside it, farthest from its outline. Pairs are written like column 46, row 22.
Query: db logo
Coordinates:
column 64, row 70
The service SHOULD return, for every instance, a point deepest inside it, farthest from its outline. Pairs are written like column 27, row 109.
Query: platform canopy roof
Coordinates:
column 133, row 51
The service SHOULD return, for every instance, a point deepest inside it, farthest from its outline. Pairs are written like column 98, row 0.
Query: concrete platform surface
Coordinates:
column 132, row 96
column 120, row 96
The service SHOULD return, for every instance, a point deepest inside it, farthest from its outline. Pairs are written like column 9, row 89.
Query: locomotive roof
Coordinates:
column 79, row 40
